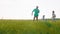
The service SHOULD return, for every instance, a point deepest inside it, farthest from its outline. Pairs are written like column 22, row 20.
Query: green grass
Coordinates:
column 29, row 27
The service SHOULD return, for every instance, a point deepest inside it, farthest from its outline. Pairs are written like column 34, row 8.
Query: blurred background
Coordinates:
column 21, row 9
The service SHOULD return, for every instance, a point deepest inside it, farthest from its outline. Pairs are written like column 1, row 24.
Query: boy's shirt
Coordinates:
column 53, row 15
column 36, row 11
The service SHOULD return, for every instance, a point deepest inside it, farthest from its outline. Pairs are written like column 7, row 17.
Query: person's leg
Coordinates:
column 54, row 19
column 37, row 18
column 43, row 17
column 34, row 18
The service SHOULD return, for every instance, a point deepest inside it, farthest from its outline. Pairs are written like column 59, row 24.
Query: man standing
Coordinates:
column 36, row 13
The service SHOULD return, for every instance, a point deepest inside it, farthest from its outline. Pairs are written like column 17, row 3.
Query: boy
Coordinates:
column 36, row 12
column 53, row 15
column 43, row 17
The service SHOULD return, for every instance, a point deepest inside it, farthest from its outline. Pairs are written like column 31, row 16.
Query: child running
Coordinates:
column 36, row 13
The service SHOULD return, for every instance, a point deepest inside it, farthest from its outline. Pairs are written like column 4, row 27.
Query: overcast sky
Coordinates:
column 21, row 9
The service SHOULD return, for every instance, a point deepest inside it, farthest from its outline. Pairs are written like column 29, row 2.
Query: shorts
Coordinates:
column 35, row 15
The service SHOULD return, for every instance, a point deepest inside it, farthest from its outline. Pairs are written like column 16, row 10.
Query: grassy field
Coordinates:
column 29, row 27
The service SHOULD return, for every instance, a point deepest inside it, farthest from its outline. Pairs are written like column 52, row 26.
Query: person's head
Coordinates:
column 43, row 15
column 37, row 7
column 52, row 11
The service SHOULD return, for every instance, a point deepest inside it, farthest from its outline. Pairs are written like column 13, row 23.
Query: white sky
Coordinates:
column 21, row 9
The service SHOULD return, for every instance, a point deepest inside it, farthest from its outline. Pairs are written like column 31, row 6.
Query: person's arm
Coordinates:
column 32, row 12
column 38, row 10
column 54, row 15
